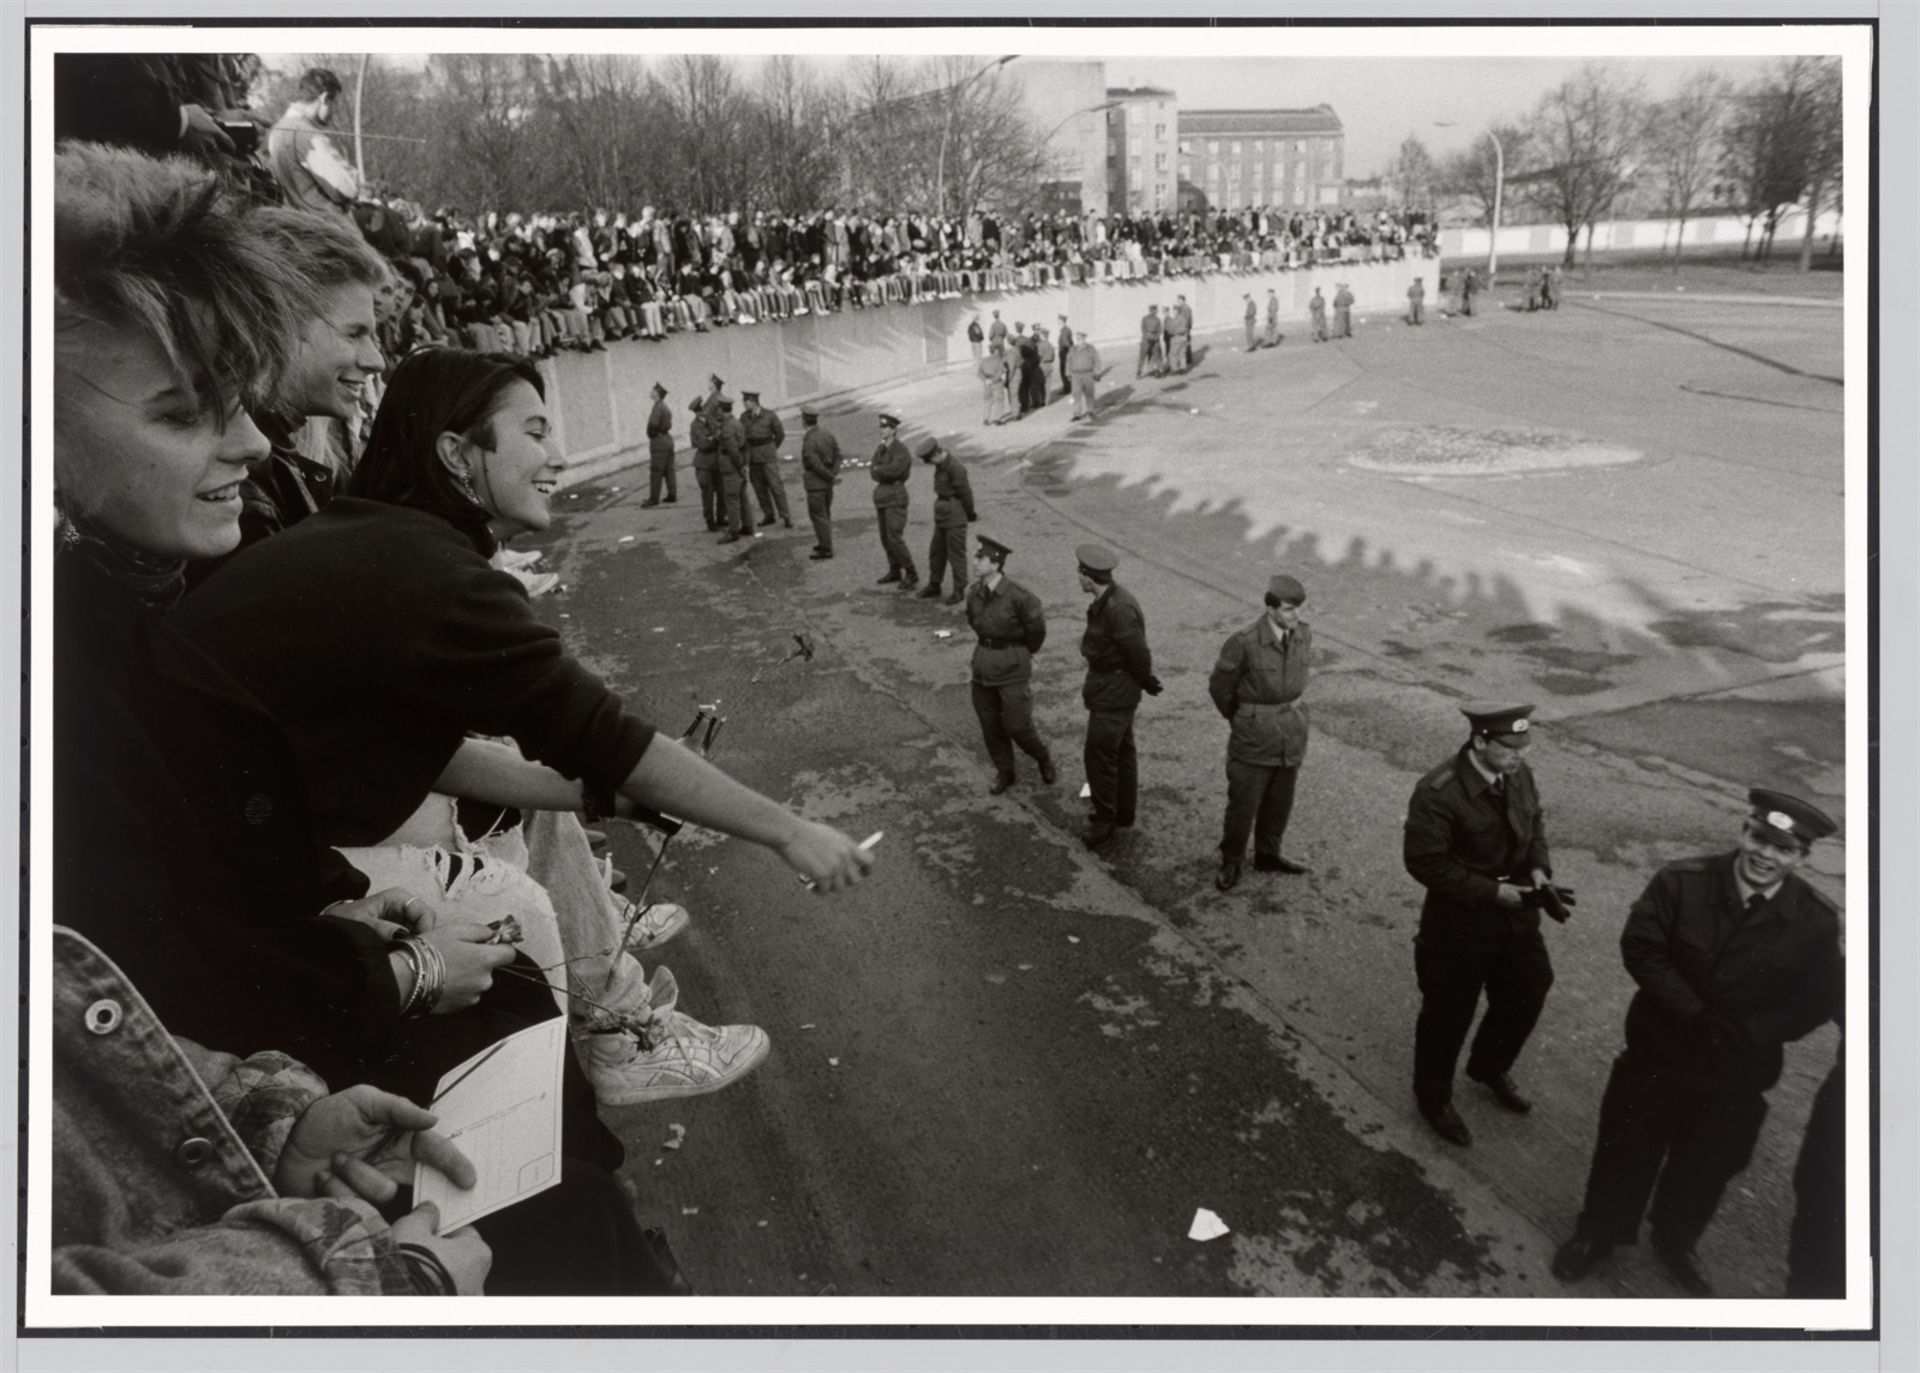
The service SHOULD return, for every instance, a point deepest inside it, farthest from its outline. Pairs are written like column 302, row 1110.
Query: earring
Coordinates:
column 464, row 476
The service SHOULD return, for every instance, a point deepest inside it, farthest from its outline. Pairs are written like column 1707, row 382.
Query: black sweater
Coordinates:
column 379, row 637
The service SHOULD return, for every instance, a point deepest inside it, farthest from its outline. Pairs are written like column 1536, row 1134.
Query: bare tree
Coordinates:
column 1783, row 143
column 1411, row 174
column 595, row 111
column 1585, row 135
column 1682, row 140
column 1476, row 172
column 795, row 117
column 902, row 116
column 478, row 126
column 996, row 155
column 710, row 131
column 1824, row 149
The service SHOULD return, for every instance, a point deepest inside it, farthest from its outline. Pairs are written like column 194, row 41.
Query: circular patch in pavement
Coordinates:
column 1451, row 450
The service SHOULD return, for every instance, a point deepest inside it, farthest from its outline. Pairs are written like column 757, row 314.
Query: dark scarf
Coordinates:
column 155, row 582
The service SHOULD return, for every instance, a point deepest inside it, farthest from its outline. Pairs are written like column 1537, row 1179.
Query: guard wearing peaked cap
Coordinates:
column 1734, row 956
column 819, row 474
column 1476, row 839
column 892, row 465
column 764, row 435
column 660, row 473
column 1010, row 626
column 704, row 435
column 952, row 512
column 1256, row 685
column 1119, row 669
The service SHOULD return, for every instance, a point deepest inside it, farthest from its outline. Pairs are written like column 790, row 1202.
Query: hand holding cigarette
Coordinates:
column 829, row 860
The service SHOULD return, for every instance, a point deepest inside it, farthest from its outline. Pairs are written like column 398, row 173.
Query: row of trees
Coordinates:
column 1596, row 145
column 693, row 131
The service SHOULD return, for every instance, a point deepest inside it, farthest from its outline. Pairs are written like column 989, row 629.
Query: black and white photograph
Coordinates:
column 694, row 674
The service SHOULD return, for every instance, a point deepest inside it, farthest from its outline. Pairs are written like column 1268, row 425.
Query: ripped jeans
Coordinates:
column 543, row 873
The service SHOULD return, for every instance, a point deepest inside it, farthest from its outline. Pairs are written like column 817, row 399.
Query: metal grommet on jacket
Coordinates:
column 194, row 1152
column 103, row 1017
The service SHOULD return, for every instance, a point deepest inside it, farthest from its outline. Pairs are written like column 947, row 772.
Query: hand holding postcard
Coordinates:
column 502, row 1109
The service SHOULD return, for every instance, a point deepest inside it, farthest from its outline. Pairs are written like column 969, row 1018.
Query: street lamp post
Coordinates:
column 1091, row 109
column 1499, row 185
column 946, row 132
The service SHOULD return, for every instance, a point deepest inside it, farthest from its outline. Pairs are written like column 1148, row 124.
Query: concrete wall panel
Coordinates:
column 602, row 399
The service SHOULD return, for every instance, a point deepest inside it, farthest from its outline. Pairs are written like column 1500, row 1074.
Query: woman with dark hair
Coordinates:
column 419, row 642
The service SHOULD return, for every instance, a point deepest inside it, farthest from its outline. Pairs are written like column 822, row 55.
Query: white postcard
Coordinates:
column 502, row 1109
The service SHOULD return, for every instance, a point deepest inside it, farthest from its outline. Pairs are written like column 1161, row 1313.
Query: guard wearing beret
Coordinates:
column 892, row 465
column 819, row 474
column 704, row 434
column 660, row 450
column 732, row 466
column 764, row 435
column 1257, row 684
column 1011, row 626
column 1477, row 841
column 1734, row 956
column 952, row 513
column 1119, row 668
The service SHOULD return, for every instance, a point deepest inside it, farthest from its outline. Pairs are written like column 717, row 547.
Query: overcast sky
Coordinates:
column 1380, row 100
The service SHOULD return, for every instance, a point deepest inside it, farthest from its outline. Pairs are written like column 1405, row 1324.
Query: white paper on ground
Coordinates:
column 504, row 1115
column 1206, row 1226
column 1086, row 790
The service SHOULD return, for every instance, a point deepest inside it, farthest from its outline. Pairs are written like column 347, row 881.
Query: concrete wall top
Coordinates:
column 601, row 400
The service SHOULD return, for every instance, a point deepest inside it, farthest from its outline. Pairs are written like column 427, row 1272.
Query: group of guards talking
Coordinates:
column 1734, row 955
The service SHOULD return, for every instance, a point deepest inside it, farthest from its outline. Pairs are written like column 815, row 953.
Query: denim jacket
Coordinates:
column 162, row 1152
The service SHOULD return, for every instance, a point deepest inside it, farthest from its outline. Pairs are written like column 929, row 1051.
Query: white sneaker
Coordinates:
column 684, row 1059
column 657, row 924
column 537, row 583
column 516, row 560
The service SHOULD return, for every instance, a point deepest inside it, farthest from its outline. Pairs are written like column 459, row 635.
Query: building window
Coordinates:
column 1186, row 170
column 1213, row 147
column 1185, row 147
column 1160, row 162
column 1159, row 130
column 1234, row 148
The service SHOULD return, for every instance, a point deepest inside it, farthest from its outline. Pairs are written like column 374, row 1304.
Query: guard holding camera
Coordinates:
column 1735, row 955
column 1477, row 841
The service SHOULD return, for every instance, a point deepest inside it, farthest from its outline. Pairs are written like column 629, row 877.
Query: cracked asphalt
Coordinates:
column 1007, row 1067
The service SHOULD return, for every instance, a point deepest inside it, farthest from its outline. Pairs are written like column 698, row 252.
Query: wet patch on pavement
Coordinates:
column 1772, row 631
column 1315, row 1206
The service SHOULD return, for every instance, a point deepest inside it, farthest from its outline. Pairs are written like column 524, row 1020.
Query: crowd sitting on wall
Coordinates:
column 539, row 283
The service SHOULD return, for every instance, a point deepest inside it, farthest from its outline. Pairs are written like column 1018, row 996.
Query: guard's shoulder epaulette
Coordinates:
column 1440, row 776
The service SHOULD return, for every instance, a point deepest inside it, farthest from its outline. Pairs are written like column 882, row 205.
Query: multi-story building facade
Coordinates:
column 1142, row 164
column 1292, row 159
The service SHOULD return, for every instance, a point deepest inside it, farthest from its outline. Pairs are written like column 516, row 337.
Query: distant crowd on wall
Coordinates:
column 535, row 283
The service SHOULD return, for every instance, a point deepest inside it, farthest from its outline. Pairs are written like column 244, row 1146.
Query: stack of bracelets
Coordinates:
column 429, row 975
column 429, row 1276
